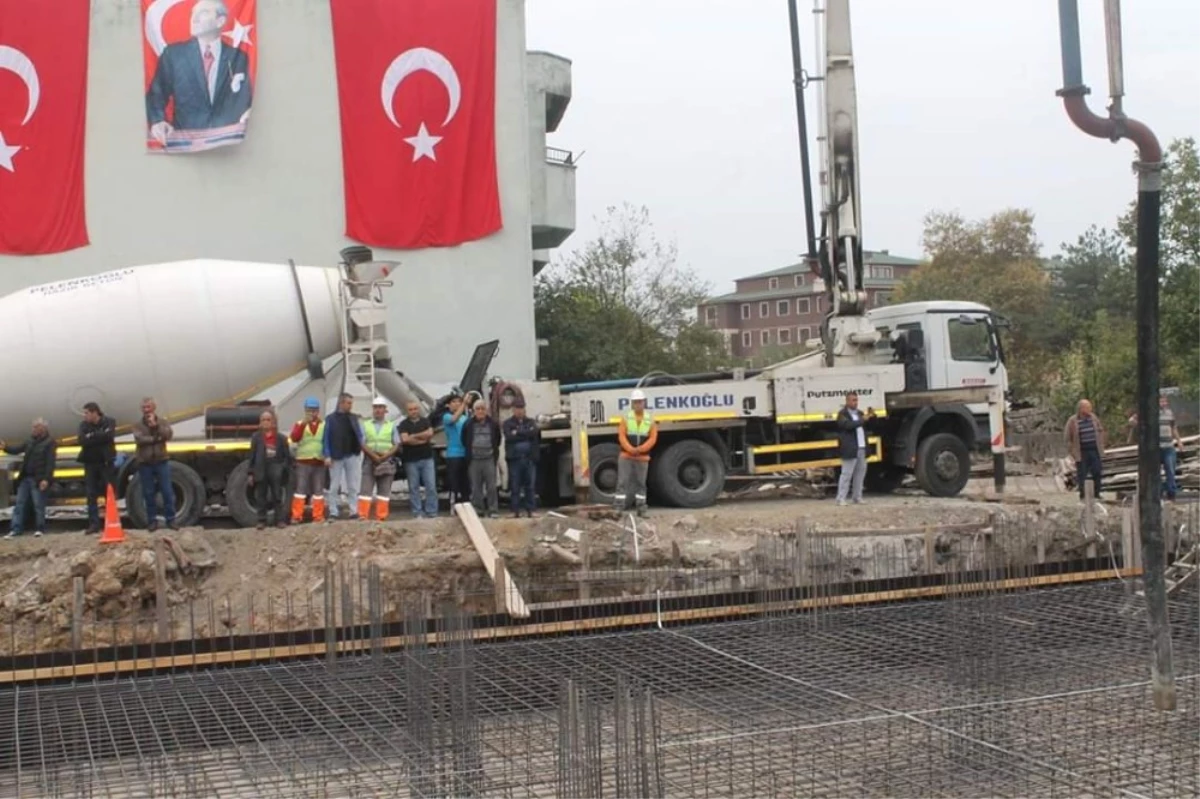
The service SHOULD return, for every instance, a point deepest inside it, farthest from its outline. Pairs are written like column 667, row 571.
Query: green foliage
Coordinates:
column 622, row 307
column 1102, row 366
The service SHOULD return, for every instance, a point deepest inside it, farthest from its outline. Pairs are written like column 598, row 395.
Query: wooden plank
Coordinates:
column 946, row 529
column 248, row 656
column 585, row 555
column 514, row 603
column 565, row 555
column 160, row 589
column 77, row 614
column 632, row 575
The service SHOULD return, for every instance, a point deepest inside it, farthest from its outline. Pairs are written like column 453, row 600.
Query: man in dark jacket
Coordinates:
column 33, row 481
column 97, row 451
column 343, row 456
column 522, row 440
column 481, row 439
column 270, row 469
column 852, row 449
column 151, row 435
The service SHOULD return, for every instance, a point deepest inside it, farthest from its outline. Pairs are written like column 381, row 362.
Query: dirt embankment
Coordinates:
column 223, row 581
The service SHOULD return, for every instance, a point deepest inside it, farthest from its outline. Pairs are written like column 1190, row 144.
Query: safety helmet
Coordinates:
column 380, row 401
column 637, row 394
column 312, row 404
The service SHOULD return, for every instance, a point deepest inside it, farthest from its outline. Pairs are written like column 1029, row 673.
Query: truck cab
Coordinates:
column 958, row 344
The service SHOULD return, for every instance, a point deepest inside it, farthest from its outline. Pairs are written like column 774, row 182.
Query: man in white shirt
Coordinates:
column 852, row 449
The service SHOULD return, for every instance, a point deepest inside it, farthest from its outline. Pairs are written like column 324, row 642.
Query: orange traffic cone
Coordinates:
column 113, row 532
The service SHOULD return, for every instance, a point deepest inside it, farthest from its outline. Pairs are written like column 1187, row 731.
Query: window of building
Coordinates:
column 764, row 310
column 772, row 283
column 785, row 335
column 798, row 280
column 746, row 311
column 783, row 307
column 882, row 272
column 802, row 306
column 802, row 335
column 710, row 313
column 764, row 337
column 970, row 341
column 820, row 303
column 747, row 340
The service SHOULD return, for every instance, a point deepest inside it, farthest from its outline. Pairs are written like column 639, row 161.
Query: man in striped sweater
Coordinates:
column 1085, row 441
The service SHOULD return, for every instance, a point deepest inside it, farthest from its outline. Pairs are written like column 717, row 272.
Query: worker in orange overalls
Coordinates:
column 637, row 434
column 309, row 435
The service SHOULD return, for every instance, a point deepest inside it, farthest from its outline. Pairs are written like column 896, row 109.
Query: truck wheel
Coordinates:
column 190, row 497
column 602, row 461
column 943, row 465
column 690, row 474
column 239, row 498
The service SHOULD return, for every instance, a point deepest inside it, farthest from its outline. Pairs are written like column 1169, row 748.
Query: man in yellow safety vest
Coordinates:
column 381, row 442
column 637, row 433
column 308, row 435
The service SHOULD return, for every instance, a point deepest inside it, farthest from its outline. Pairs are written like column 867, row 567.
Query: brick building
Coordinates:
column 782, row 308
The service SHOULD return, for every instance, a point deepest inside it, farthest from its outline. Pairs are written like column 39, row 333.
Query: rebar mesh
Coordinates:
column 982, row 692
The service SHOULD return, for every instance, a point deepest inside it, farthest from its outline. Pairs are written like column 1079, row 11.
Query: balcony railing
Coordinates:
column 557, row 155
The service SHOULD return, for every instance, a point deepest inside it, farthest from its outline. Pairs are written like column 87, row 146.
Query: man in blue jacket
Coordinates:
column 852, row 449
column 343, row 456
column 522, row 440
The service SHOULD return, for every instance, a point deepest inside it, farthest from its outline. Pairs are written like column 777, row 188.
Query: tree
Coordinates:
column 1179, row 265
column 994, row 261
column 622, row 307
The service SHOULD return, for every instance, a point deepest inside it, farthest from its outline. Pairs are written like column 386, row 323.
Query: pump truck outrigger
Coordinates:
column 934, row 372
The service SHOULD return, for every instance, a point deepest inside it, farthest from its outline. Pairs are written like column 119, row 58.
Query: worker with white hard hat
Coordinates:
column 308, row 436
column 381, row 442
column 637, row 433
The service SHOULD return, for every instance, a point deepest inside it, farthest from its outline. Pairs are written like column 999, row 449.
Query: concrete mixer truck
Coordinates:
column 203, row 338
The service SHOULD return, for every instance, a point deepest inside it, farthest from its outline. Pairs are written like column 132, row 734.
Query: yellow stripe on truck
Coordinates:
column 793, row 418
column 175, row 447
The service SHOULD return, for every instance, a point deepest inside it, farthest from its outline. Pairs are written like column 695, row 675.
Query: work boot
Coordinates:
column 382, row 508
column 364, row 507
column 318, row 510
column 297, row 508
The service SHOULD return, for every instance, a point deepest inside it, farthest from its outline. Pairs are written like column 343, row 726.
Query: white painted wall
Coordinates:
column 278, row 195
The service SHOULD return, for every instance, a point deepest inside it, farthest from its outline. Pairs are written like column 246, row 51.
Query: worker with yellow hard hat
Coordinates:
column 637, row 433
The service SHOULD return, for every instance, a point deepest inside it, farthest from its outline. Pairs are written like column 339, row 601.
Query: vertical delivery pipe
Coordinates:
column 798, row 79
column 1149, row 171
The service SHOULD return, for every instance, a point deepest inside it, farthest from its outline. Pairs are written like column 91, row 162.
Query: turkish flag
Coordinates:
column 43, row 106
column 417, row 94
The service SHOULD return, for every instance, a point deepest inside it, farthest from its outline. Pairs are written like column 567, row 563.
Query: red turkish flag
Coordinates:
column 417, row 93
column 43, row 105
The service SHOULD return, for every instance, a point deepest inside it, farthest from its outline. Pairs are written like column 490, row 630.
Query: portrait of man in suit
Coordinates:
column 201, row 84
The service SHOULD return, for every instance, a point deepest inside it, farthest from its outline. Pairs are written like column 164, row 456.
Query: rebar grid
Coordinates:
column 1036, row 693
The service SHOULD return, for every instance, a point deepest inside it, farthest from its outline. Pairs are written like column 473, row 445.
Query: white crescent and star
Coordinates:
column 18, row 63
column 416, row 60
column 157, row 11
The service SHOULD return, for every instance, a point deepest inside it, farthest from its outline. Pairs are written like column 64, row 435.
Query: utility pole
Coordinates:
column 1148, row 167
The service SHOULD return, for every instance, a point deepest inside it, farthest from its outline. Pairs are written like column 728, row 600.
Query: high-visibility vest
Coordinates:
column 309, row 448
column 638, row 433
column 378, row 440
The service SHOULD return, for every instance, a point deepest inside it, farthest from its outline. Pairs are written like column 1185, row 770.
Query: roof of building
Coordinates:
column 878, row 258
column 807, row 290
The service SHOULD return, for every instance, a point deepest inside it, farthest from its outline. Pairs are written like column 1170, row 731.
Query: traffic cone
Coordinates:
column 113, row 532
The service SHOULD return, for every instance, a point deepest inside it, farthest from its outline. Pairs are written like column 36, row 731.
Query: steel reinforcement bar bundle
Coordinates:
column 992, row 686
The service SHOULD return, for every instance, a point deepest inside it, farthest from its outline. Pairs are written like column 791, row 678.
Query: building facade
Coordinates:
column 782, row 309
column 278, row 195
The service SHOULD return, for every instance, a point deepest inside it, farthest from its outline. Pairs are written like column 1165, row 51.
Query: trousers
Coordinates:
column 344, row 476
column 854, row 471
column 270, row 493
column 96, row 479
column 422, row 475
column 28, row 490
column 631, row 483
column 457, row 481
column 156, row 479
column 483, row 485
column 522, row 485
column 1089, row 463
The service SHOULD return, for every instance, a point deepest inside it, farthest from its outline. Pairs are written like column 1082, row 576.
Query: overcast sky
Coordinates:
column 686, row 106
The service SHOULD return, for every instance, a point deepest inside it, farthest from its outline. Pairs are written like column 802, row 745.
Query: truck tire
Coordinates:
column 190, row 497
column 239, row 496
column 943, row 465
column 689, row 474
column 602, row 462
